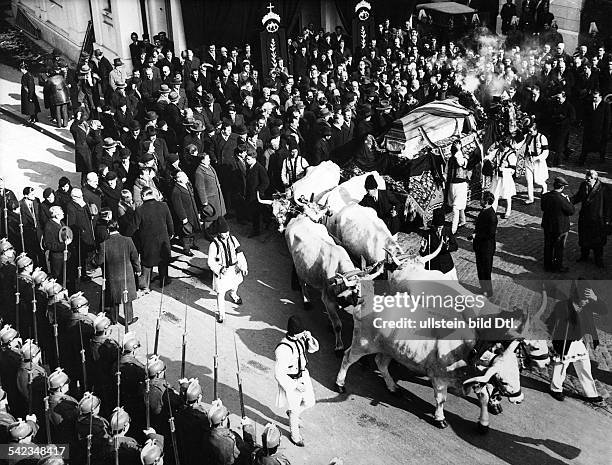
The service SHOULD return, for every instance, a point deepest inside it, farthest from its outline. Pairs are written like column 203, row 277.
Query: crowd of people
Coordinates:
column 173, row 146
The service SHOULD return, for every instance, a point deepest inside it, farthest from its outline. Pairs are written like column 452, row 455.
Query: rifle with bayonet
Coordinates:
column 215, row 365
column 83, row 360
column 172, row 429
column 124, row 296
column 159, row 314
column 47, row 412
column 147, row 384
column 239, row 378
column 184, row 344
column 90, row 435
column 5, row 210
column 116, row 438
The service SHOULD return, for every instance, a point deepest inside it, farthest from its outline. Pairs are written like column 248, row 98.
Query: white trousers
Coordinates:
column 530, row 178
column 583, row 370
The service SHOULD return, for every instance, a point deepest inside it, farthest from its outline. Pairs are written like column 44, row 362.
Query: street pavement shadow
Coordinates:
column 66, row 154
column 43, row 173
column 511, row 448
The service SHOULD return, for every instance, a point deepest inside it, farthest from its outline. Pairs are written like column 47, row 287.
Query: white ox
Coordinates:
column 351, row 191
column 441, row 359
column 318, row 260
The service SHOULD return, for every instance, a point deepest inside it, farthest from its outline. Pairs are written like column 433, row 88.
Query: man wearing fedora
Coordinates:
column 211, row 110
column 133, row 139
column 323, row 148
column 102, row 67
column 208, row 189
column 117, row 75
column 194, row 129
column 175, row 86
column 148, row 88
column 185, row 212
column 154, row 69
column 556, row 211
column 173, row 113
column 85, row 85
column 118, row 96
column 108, row 157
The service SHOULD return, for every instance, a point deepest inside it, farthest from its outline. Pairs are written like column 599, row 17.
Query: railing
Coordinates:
column 23, row 23
column 87, row 47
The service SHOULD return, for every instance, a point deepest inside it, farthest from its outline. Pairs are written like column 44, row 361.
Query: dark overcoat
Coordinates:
column 120, row 258
column 153, row 225
column 595, row 209
column 184, row 206
column 29, row 100
column 209, row 190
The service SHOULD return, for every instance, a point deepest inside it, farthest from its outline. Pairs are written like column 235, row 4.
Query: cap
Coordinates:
column 47, row 192
column 294, row 325
column 292, row 143
column 150, row 116
column 124, row 153
column 174, row 96
column 151, row 452
column 88, row 403
column 151, row 131
column 111, row 175
column 101, row 322
column 217, row 413
column 78, row 301
column 560, row 181
column 38, row 276
column 222, row 226
column 117, row 62
column 241, row 130
column 23, row 261
column 58, row 378
column 271, row 436
column 20, row 430
column 119, row 419
column 156, row 365
column 134, row 125
column 194, row 390
column 275, row 132
column 370, row 182
column 438, row 217
column 29, row 350
column 7, row 334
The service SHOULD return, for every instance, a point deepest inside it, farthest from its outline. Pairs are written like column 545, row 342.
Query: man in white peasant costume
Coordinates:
column 295, row 392
column 228, row 264
column 536, row 153
column 503, row 157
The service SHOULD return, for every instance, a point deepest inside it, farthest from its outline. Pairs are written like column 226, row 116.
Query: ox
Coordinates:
column 351, row 191
column 318, row 260
column 442, row 359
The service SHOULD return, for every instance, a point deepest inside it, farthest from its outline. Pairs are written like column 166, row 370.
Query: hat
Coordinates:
column 271, row 436
column 438, row 217
column 5, row 245
column 324, row 112
column 241, row 148
column 560, row 181
column 111, row 175
column 174, row 96
column 208, row 211
column 241, row 130
column 208, row 126
column 383, row 105
column 57, row 379
column 47, row 192
column 88, row 403
column 78, row 301
column 38, row 276
column 117, row 62
column 20, row 430
column 231, row 107
column 294, row 326
column 119, row 419
column 156, row 366
column 29, row 350
column 177, row 80
column 217, row 413
column 151, row 452
column 150, row 60
column 292, row 143
column 134, row 125
column 365, row 111
column 326, row 130
column 150, row 116
column 208, row 99
column 197, row 126
column 109, row 143
column 124, row 153
column 151, row 131
column 275, row 132
column 7, row 334
column 189, row 121
column 84, row 69
column 130, row 342
column 194, row 390
column 101, row 322
column 23, row 261
column 222, row 226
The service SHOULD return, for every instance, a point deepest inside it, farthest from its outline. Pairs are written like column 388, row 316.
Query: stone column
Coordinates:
column 567, row 15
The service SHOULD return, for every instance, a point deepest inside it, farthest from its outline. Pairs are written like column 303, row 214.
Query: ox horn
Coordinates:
column 432, row 255
column 491, row 371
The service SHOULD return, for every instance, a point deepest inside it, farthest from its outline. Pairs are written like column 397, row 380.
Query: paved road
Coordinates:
column 367, row 425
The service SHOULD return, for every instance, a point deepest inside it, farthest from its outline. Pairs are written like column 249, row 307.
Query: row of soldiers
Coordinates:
column 72, row 383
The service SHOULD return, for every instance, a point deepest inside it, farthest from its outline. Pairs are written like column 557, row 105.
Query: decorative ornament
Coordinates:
column 271, row 20
column 363, row 10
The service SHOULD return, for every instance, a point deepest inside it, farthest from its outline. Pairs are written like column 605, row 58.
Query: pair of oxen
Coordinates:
column 327, row 231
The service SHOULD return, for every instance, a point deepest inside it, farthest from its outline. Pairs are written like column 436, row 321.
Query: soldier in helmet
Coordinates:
column 89, row 420
column 31, row 377
column 225, row 446
column 10, row 361
column 160, row 391
column 25, row 267
column 103, row 357
column 51, row 460
column 268, row 453
column 152, row 452
column 132, row 383
column 129, row 451
column 78, row 331
column 23, row 432
column 8, row 274
column 192, row 424
column 6, row 419
column 63, row 408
